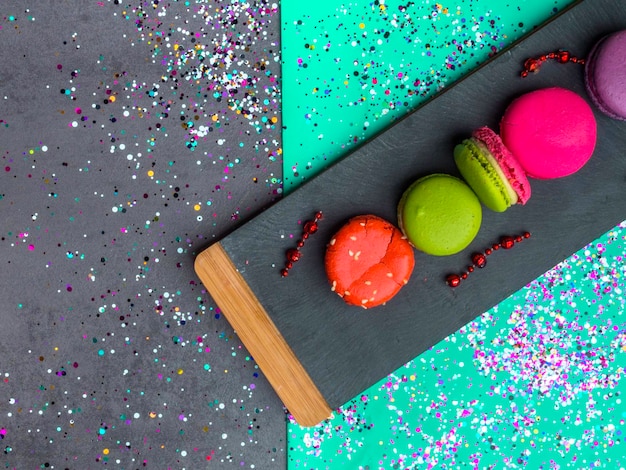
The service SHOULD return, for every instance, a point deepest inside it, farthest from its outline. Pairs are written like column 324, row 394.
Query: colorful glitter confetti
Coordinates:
column 352, row 69
column 132, row 134
column 533, row 383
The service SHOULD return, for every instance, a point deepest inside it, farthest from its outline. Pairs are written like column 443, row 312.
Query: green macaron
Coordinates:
column 439, row 214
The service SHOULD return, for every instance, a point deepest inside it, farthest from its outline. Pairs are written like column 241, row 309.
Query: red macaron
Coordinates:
column 368, row 261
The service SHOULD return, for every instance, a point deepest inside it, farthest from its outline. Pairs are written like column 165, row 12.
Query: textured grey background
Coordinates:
column 110, row 351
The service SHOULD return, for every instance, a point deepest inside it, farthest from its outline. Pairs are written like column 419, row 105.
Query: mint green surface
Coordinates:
column 351, row 68
column 538, row 381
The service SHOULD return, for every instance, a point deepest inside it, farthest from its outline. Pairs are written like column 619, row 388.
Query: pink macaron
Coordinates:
column 605, row 75
column 551, row 132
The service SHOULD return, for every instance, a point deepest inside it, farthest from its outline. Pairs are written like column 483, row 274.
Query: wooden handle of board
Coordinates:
column 260, row 336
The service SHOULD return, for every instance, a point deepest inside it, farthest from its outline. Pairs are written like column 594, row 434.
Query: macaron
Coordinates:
column 491, row 170
column 368, row 261
column 605, row 75
column 439, row 214
column 552, row 132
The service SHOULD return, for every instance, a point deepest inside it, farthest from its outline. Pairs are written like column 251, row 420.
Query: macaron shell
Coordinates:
column 368, row 261
column 605, row 75
column 513, row 171
column 551, row 132
column 481, row 176
column 439, row 214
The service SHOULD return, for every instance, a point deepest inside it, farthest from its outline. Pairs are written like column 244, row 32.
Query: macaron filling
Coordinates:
column 508, row 189
column 482, row 172
column 508, row 165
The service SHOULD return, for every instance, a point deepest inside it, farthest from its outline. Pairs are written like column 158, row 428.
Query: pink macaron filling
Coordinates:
column 552, row 132
column 508, row 163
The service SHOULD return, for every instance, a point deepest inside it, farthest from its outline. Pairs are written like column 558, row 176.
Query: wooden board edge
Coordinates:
column 259, row 334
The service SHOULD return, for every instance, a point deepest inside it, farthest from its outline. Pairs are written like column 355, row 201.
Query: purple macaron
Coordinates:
column 605, row 75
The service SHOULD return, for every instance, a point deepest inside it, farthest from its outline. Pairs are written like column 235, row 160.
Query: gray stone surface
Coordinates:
column 132, row 134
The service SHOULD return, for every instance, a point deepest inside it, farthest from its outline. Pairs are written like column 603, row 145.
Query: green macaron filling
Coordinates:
column 482, row 172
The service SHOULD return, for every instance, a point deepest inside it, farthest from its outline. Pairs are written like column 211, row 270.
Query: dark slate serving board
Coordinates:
column 345, row 349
